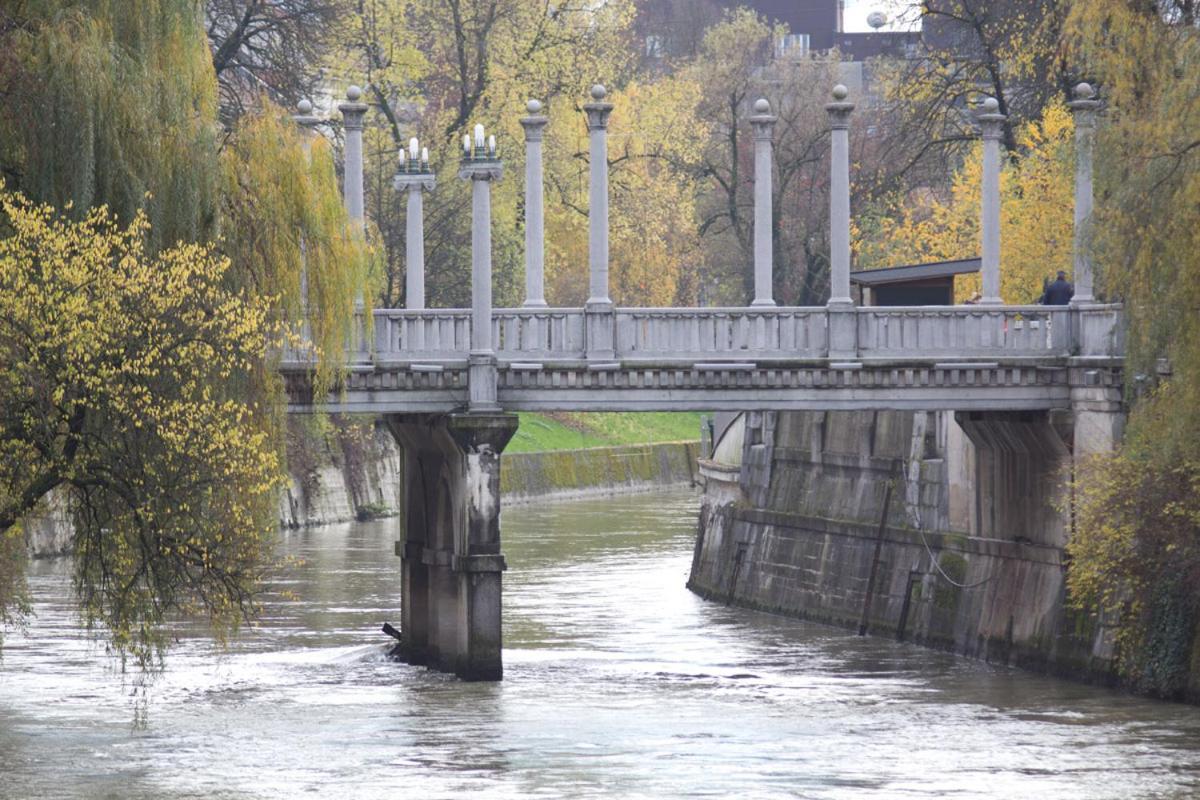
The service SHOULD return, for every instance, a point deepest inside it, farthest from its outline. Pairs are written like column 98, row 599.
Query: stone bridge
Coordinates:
column 445, row 380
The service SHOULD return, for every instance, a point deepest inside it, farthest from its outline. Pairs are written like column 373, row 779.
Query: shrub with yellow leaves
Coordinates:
column 121, row 383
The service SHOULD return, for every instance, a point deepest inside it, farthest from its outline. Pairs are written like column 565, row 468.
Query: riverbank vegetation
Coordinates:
column 147, row 259
column 152, row 139
column 1136, row 553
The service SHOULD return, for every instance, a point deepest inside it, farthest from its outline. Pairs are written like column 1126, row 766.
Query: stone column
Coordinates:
column 414, row 175
column 481, row 167
column 597, row 122
column 535, row 237
column 990, row 125
column 843, row 320
column 353, row 112
column 839, row 198
column 308, row 123
column 600, row 320
column 1083, row 108
column 764, row 251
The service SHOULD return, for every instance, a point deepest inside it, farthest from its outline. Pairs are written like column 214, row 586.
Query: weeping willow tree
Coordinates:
column 1137, row 548
column 112, row 103
column 152, row 264
column 284, row 222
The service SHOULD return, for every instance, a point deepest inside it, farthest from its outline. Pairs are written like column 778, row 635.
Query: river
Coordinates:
column 618, row 683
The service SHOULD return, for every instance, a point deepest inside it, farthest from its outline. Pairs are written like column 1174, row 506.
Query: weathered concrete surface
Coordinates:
column 450, row 546
column 597, row 471
column 971, row 557
column 336, row 489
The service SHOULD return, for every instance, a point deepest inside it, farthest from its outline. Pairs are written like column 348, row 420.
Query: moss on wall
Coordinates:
column 597, row 470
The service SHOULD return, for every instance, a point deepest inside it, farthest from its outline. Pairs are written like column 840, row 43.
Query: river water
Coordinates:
column 618, row 683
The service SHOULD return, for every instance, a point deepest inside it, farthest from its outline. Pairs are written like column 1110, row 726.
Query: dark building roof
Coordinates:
column 862, row 46
column 820, row 19
column 915, row 272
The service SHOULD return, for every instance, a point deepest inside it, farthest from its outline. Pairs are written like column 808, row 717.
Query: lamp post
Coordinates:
column 481, row 165
column 415, row 176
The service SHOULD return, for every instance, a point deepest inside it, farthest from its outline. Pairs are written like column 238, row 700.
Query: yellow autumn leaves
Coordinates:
column 122, row 377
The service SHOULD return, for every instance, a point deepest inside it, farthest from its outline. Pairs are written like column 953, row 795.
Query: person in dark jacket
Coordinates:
column 1058, row 293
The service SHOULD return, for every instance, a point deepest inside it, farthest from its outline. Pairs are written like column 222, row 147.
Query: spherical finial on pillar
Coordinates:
column 989, row 105
column 599, row 93
column 762, row 106
column 840, row 92
column 304, row 107
column 533, row 106
column 1084, row 91
column 353, row 93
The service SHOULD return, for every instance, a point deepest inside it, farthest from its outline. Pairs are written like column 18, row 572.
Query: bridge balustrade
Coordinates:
column 721, row 333
column 544, row 333
column 754, row 334
column 964, row 332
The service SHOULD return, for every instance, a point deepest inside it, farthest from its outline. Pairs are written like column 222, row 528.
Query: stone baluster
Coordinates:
column 843, row 322
column 535, row 238
column 991, row 123
column 481, row 165
column 764, row 251
column 414, row 176
column 1083, row 108
column 599, row 308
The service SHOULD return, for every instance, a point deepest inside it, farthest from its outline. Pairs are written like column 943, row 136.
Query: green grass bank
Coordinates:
column 544, row 433
column 576, row 455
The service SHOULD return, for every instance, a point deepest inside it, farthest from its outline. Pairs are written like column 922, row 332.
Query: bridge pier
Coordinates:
column 451, row 562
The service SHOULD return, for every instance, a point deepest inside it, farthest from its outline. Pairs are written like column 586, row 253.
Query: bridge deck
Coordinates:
column 931, row 358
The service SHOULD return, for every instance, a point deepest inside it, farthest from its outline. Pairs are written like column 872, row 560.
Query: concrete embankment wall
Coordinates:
column 597, row 470
column 336, row 483
column 796, row 529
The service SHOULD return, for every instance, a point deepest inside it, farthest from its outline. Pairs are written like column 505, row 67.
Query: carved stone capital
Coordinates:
column 414, row 181
column 534, row 127
column 597, row 115
column 481, row 170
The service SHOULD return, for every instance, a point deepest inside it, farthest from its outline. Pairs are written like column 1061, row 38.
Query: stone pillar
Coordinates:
column 451, row 549
column 535, row 237
column 990, row 125
column 414, row 175
column 598, row 112
column 353, row 112
column 308, row 123
column 1083, row 108
column 843, row 321
column 764, row 252
column 600, row 319
column 839, row 198
column 481, row 167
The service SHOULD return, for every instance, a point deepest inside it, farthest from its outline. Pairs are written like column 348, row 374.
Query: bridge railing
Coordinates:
column 750, row 334
column 429, row 334
column 542, row 333
column 964, row 331
column 721, row 333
